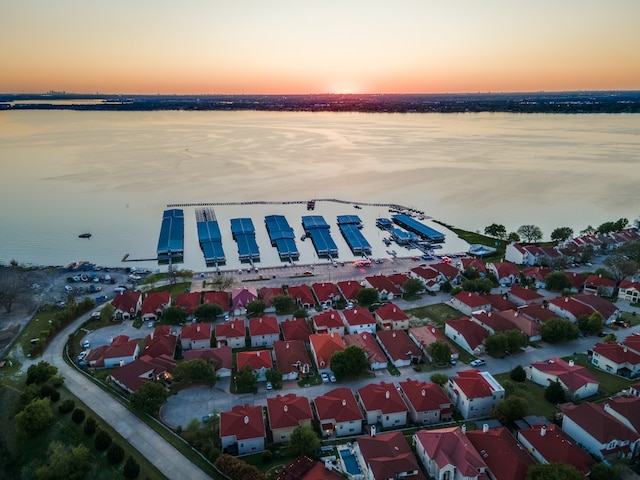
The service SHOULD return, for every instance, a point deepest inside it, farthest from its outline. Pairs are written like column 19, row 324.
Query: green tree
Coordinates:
column 561, row 234
column 367, row 296
column 620, row 265
column 78, row 415
column 222, row 282
column 207, row 312
column 283, row 304
column 149, row 397
column 518, row 374
column 609, row 337
column 67, row 406
column 131, row 468
column 115, row 454
column 591, row 324
column 64, row 462
column 513, row 237
column 35, row 417
column 40, row 372
column 255, row 308
column 589, row 230
column 300, row 313
column 439, row 378
column 530, row 233
column 90, row 426
column 439, row 351
column 553, row 471
column 102, row 441
column 557, row 282
column 609, row 227
column 174, row 315
column 600, row 471
column 502, row 343
column 412, row 287
column 304, row 441
column 557, row 330
column 510, row 409
column 350, row 362
column 107, row 312
column 555, row 393
column 274, row 376
column 13, row 287
column 496, row 230
column 195, row 372
column 246, row 380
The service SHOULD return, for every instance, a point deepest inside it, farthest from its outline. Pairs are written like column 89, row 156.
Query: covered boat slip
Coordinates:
column 209, row 237
column 282, row 237
column 244, row 233
column 350, row 226
column 409, row 223
column 171, row 240
column 316, row 227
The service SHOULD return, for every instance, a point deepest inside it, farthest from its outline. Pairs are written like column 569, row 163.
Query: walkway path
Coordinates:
column 151, row 445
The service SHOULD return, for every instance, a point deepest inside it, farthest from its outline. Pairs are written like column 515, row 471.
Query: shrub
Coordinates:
column 67, row 406
column 267, row 456
column 554, row 393
column 131, row 468
column 103, row 440
column 115, row 454
column 518, row 374
column 78, row 415
column 90, row 426
column 55, row 395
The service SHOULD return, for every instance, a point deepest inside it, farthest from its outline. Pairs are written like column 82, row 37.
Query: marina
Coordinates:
column 413, row 225
column 244, row 233
column 209, row 237
column 282, row 237
column 171, row 240
column 317, row 229
column 350, row 226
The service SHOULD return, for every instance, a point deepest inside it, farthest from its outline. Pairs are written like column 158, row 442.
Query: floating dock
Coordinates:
column 412, row 225
column 350, row 226
column 282, row 237
column 209, row 237
column 244, row 233
column 317, row 229
column 171, row 240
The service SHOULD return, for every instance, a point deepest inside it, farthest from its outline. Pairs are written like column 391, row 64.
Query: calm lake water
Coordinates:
column 113, row 173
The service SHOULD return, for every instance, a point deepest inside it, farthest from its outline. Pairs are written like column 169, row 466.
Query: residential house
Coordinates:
column 399, row 347
column 576, row 280
column 267, row 294
column 518, row 254
column 243, row 427
column 493, row 322
column 323, row 345
column 232, row 334
column 524, row 296
column 188, row 301
column 575, row 306
column 218, row 298
column 145, row 369
column 633, row 342
column 221, row 357
column 161, row 341
column 447, row 272
column 382, row 404
column 349, row 289
column 240, row 297
column 466, row 333
column 305, row 468
column 507, row 273
column 259, row 361
column 617, row 359
column 598, row 432
column 388, row 456
column 549, row 444
column 629, row 290
column 626, row 409
column 296, row 329
column 537, row 313
column 447, row 454
column 474, row 393
column 387, row 290
column 120, row 352
column 472, row 264
column 529, row 327
column 291, row 358
column 427, row 402
column 127, row 304
column 196, row 335
column 575, row 379
column 326, row 294
column 264, row 331
column 537, row 275
column 504, row 456
column 328, row 322
column 287, row 412
column 359, row 320
column 429, row 277
column 391, row 317
column 427, row 334
column 498, row 302
column 153, row 305
column 367, row 342
column 338, row 413
column 469, row 302
column 599, row 285
column 302, row 295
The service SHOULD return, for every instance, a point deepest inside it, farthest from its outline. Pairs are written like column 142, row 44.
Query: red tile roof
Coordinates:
column 221, row 356
column 633, row 342
column 188, row 301
column 525, row 294
column 473, row 384
column 537, row 312
column 391, row 312
column 160, row 342
column 383, row 397
column 288, row 411
column 556, row 446
column 600, row 425
column 382, row 283
column 367, row 342
column 450, row 447
column 155, row 302
column 232, row 329
column 472, row 332
column 496, row 322
column 219, row 298
column 327, row 320
column 471, row 299
column 506, row 269
column 264, row 325
column 576, row 279
column 504, row 456
column 358, row 316
column 302, row 294
column 427, row 274
column 349, row 289
column 290, row 355
column 446, row 270
column 240, row 297
column 425, row 397
column 267, row 294
column 389, row 455
column 324, row 345
column 628, row 407
column 256, row 359
column 339, row 404
column 325, row 292
column 427, row 334
column 474, row 263
column 529, row 327
column 196, row 331
column 573, row 376
column 398, row 345
column 127, row 301
column 296, row 329
column 140, row 371
column 617, row 353
column 242, row 421
column 498, row 302
column 597, row 281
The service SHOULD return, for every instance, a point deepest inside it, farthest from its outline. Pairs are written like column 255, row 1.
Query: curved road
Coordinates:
column 165, row 458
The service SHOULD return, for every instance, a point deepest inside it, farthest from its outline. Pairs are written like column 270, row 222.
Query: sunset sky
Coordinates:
column 304, row 46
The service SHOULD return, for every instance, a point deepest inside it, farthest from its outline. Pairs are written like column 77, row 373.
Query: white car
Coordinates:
column 332, row 378
column 86, row 344
column 478, row 363
column 269, row 386
column 325, row 378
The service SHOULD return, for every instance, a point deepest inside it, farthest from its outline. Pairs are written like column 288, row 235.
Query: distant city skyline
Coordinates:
column 302, row 47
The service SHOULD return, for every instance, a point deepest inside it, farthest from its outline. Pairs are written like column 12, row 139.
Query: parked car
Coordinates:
column 478, row 363
column 86, row 344
column 332, row 378
column 325, row 378
column 269, row 386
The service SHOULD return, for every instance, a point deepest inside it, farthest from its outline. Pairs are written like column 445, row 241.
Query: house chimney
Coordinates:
column 287, row 345
column 543, row 431
column 198, row 328
column 571, row 363
column 344, row 402
column 285, row 408
column 485, row 428
column 373, row 430
column 386, row 394
column 566, row 299
column 246, row 420
column 607, row 407
column 463, row 429
column 424, row 392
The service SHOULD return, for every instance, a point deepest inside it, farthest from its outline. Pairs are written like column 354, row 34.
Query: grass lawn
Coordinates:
column 534, row 394
column 437, row 314
column 609, row 384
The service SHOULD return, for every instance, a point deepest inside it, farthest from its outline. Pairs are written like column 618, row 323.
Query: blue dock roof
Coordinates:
column 354, row 238
column 415, row 226
column 349, row 219
column 318, row 230
column 282, row 236
column 310, row 222
column 171, row 239
column 210, row 240
column 245, row 236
